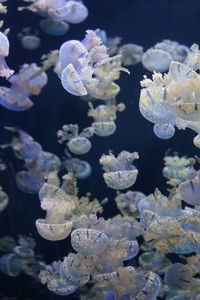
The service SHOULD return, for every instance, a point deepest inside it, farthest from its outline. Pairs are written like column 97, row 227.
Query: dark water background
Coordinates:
column 143, row 22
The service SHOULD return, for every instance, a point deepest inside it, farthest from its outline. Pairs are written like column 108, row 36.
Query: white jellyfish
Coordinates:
column 119, row 172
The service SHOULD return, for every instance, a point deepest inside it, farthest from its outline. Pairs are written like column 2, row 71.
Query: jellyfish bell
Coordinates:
column 156, row 60
column 104, row 128
column 71, row 81
column 178, row 276
column 54, row 27
column 72, row 11
column 164, row 131
column 29, row 182
column 30, row 42
column 9, row 265
column 9, row 100
column 80, row 168
column 5, row 71
column 79, row 145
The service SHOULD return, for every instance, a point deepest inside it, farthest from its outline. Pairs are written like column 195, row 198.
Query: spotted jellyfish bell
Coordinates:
column 75, row 71
column 77, row 143
column 71, row 11
column 9, row 265
column 5, row 71
column 104, row 116
column 30, row 42
column 54, row 27
column 119, row 172
column 89, row 241
column 58, row 205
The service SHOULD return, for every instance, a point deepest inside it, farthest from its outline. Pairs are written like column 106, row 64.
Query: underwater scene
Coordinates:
column 99, row 150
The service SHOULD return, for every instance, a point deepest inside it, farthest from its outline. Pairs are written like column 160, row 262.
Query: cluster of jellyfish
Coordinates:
column 127, row 256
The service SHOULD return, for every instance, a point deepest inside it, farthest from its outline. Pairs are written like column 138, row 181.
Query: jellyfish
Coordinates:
column 178, row 276
column 58, row 205
column 5, row 71
column 4, row 200
column 77, row 143
column 23, row 85
column 80, row 168
column 54, row 27
column 127, row 202
column 131, row 54
column 190, row 191
column 119, row 172
column 164, row 131
column 104, row 116
column 156, row 60
column 85, row 67
column 89, row 241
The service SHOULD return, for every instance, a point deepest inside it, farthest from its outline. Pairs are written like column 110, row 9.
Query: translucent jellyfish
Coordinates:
column 178, row 52
column 4, row 200
column 3, row 8
column 77, row 143
column 23, row 85
column 58, row 205
column 131, row 54
column 151, row 287
column 190, row 191
column 156, row 60
column 85, row 68
column 119, row 172
column 76, row 269
column 154, row 261
column 176, row 169
column 5, row 71
column 71, row 11
column 104, row 116
column 55, row 282
column 127, row 202
column 80, row 168
column 9, row 265
column 89, row 241
column 178, row 276
column 164, row 131
column 54, row 27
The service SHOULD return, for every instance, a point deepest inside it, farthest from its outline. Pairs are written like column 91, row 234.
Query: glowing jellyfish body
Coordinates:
column 30, row 42
column 190, row 191
column 156, row 60
column 131, row 54
column 71, row 11
column 178, row 276
column 22, row 86
column 89, row 241
column 164, row 131
column 80, row 168
column 54, row 27
column 5, row 71
column 77, row 143
column 29, row 181
column 119, row 172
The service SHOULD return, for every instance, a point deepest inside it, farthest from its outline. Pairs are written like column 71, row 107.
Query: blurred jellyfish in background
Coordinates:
column 119, row 172
column 38, row 163
column 80, row 168
column 29, row 41
column 58, row 14
column 5, row 71
column 4, row 200
column 54, row 27
column 23, row 85
column 3, row 8
column 159, row 57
